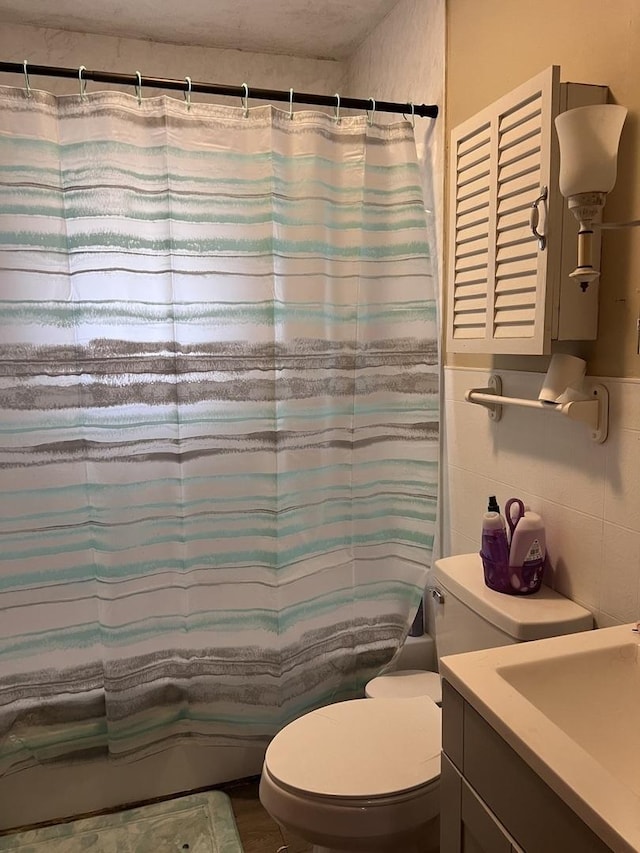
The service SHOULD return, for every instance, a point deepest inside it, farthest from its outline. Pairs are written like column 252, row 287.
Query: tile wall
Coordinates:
column 587, row 493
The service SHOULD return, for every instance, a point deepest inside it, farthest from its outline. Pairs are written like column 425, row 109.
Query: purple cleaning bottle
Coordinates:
column 494, row 552
column 495, row 547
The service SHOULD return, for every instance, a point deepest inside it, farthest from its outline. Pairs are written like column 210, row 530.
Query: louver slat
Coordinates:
column 473, row 231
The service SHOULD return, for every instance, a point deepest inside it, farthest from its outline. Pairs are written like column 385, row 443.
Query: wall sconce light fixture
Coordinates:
column 589, row 139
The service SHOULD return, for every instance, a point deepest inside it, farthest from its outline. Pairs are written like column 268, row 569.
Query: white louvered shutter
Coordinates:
column 500, row 281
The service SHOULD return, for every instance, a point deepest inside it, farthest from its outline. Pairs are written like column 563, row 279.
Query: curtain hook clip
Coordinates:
column 413, row 114
column 27, row 85
column 139, row 88
column 245, row 100
column 187, row 94
column 83, row 83
column 336, row 116
column 373, row 112
column 290, row 104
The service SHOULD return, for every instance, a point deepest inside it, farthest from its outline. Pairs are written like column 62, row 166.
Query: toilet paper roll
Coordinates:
column 565, row 371
column 574, row 395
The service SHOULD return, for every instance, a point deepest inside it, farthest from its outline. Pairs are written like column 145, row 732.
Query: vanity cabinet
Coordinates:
column 492, row 801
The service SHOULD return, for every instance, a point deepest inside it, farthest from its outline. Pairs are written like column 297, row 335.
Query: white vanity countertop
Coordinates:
column 570, row 707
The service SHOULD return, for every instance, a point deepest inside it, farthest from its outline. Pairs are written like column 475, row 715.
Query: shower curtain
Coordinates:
column 219, row 418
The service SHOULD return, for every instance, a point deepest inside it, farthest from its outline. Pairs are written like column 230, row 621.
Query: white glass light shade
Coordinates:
column 589, row 139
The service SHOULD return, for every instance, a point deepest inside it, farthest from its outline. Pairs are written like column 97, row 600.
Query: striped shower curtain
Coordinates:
column 218, row 418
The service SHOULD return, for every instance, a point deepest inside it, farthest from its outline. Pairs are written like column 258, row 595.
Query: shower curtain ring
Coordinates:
column 413, row 114
column 27, row 85
column 245, row 100
column 83, row 83
column 139, row 88
column 290, row 104
column 336, row 116
column 187, row 94
column 373, row 112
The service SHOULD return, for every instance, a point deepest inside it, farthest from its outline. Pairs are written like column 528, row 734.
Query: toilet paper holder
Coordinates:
column 594, row 412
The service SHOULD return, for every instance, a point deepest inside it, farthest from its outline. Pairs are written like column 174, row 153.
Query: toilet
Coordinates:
column 363, row 775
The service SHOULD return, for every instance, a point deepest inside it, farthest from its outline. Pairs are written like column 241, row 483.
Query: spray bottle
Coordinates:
column 495, row 546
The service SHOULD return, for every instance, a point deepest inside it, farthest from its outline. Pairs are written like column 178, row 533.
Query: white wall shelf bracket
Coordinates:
column 593, row 412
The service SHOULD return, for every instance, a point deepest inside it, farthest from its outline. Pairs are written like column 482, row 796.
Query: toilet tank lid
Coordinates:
column 543, row 614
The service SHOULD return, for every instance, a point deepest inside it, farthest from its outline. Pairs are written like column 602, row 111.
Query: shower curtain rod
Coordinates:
column 424, row 110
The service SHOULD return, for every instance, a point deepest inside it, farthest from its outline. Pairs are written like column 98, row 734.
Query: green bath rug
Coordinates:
column 199, row 823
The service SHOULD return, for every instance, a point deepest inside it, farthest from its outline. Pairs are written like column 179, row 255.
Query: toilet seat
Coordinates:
column 358, row 803
column 359, row 749
column 405, row 684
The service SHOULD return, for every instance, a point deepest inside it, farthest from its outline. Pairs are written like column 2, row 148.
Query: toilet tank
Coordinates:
column 469, row 616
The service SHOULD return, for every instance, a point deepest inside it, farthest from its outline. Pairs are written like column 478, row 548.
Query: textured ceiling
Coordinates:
column 322, row 29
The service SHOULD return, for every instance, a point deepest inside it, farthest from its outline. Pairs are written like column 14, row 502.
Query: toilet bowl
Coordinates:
column 363, row 776
column 358, row 776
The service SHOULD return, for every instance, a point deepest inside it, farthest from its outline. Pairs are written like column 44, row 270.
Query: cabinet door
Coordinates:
column 501, row 159
column 481, row 832
column 450, row 807
column 466, row 824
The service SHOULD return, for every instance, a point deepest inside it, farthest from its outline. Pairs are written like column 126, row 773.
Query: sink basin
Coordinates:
column 570, row 707
column 594, row 697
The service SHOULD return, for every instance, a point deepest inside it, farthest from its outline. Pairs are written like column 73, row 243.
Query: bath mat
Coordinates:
column 199, row 823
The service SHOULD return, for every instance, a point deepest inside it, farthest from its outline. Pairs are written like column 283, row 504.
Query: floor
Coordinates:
column 259, row 833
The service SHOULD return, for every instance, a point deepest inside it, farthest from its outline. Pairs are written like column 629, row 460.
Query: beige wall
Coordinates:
column 494, row 45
